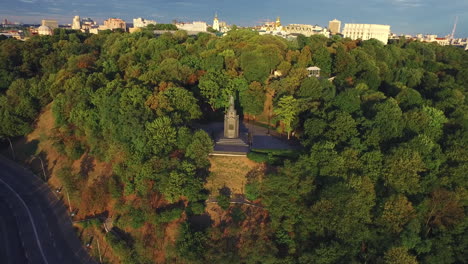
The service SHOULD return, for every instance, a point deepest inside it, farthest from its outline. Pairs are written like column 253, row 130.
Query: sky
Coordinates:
column 404, row 16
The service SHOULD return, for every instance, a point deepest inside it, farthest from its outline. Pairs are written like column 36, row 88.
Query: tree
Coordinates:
column 287, row 111
column 255, row 66
column 399, row 255
column 397, row 212
column 252, row 99
column 402, row 170
column 161, row 134
column 201, row 145
column 322, row 58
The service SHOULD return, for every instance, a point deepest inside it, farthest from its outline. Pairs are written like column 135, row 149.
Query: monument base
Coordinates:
column 231, row 147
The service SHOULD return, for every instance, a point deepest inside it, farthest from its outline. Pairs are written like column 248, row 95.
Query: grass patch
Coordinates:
column 229, row 172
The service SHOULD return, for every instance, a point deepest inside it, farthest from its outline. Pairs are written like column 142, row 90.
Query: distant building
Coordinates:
column 52, row 24
column 367, row 31
column 334, row 26
column 216, row 23
column 44, row 31
column 141, row 22
column 442, row 41
column 194, row 26
column 114, row 23
column 76, row 24
column 306, row 30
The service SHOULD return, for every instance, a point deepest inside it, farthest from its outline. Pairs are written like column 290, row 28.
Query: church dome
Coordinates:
column 44, row 30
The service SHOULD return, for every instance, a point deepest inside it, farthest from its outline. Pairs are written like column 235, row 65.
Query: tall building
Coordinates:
column 76, row 24
column 216, row 23
column 52, row 24
column 334, row 26
column 141, row 22
column 115, row 23
column 367, row 31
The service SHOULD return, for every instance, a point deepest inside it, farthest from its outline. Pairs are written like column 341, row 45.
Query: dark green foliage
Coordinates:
column 190, row 244
column 252, row 191
column 162, row 27
column 223, row 200
column 169, row 215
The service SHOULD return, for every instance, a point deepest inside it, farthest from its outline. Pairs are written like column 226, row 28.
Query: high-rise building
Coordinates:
column 76, row 23
column 367, row 31
column 141, row 22
column 52, row 24
column 334, row 26
column 216, row 23
column 115, row 23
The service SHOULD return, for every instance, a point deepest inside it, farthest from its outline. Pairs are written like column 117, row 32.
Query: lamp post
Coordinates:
column 11, row 147
column 42, row 165
column 269, row 116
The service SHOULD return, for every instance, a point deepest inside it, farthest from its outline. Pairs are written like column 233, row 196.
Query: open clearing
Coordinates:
column 229, row 172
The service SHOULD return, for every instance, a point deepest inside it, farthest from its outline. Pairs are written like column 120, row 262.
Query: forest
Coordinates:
column 384, row 130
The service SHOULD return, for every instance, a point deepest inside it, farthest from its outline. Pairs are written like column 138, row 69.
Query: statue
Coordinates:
column 231, row 121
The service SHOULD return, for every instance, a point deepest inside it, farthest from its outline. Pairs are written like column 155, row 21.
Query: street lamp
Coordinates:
column 269, row 116
column 42, row 165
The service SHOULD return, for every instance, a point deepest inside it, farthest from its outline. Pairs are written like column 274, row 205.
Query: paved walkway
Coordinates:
column 236, row 199
column 262, row 138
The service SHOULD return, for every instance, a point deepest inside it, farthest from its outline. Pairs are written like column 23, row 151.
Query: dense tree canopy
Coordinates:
column 382, row 178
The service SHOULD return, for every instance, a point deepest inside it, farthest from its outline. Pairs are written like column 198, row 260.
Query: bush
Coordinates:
column 197, row 208
column 272, row 156
column 75, row 150
column 138, row 217
column 257, row 157
column 169, row 215
column 252, row 190
column 121, row 249
column 223, row 201
column 69, row 180
column 115, row 187
column 237, row 215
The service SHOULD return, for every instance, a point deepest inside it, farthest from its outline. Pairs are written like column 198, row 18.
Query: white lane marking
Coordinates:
column 31, row 218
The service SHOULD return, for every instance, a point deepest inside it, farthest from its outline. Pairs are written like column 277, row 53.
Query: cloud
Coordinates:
column 407, row 3
column 54, row 9
column 28, row 1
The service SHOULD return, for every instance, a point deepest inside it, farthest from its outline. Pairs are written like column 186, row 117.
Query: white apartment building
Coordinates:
column 198, row 26
column 367, row 31
column 141, row 22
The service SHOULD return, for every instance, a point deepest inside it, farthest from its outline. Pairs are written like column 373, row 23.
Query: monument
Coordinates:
column 232, row 141
column 231, row 121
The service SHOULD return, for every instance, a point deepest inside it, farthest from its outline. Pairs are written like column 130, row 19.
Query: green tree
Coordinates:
column 287, row 111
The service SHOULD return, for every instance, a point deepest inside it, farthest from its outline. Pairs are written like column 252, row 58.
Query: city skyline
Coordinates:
column 404, row 16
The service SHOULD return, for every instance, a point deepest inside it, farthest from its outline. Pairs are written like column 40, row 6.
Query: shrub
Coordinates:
column 169, row 215
column 223, row 201
column 197, row 208
column 252, row 190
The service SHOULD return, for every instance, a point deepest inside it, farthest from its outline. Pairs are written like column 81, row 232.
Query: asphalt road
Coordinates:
column 39, row 228
column 11, row 249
